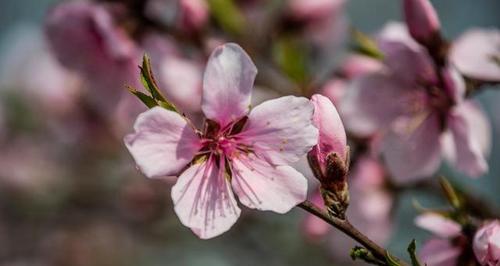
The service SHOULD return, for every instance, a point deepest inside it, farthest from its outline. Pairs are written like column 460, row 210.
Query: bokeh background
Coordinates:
column 68, row 200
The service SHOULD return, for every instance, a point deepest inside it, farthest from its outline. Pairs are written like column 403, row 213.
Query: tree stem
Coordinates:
column 347, row 228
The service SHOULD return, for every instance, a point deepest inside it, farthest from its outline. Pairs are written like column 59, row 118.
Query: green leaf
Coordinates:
column 364, row 254
column 168, row 106
column 391, row 261
column 227, row 15
column 146, row 99
column 412, row 248
column 450, row 193
column 149, row 82
column 290, row 57
column 363, row 44
column 148, row 79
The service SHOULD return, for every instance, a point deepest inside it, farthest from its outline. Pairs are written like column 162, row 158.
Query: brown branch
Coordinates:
column 347, row 228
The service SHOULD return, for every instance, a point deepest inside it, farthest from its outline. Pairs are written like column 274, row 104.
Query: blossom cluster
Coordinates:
column 263, row 105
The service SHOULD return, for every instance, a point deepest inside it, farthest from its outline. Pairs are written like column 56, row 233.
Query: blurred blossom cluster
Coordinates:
column 262, row 104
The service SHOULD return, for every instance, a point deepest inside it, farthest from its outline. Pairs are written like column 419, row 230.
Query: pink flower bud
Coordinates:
column 486, row 244
column 332, row 137
column 422, row 20
column 329, row 159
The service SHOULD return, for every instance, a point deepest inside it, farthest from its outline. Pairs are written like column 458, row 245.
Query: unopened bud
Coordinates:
column 422, row 20
column 329, row 159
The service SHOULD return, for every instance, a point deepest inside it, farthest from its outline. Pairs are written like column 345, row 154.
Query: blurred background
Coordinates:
column 69, row 191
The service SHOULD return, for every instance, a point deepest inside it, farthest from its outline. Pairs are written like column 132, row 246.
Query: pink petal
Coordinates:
column 163, row 143
column 204, row 201
column 262, row 186
column 422, row 20
column 396, row 32
column 314, row 9
column 438, row 225
column 335, row 89
column 182, row 80
column 474, row 53
column 439, row 252
column 281, row 130
column 357, row 65
column 332, row 136
column 227, row 84
column 413, row 151
column 471, row 134
column 409, row 63
column 373, row 101
column 193, row 14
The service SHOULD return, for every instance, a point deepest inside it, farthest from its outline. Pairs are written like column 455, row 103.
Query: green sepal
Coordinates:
column 450, row 193
column 391, row 261
column 146, row 99
column 148, row 80
column 412, row 249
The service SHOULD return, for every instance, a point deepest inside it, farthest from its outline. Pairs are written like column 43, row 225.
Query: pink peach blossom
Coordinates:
column 486, row 244
column 241, row 152
column 439, row 250
column 85, row 38
column 476, row 53
column 402, row 102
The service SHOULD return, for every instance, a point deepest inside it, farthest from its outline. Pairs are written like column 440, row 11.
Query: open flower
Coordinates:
column 440, row 250
column 421, row 117
column 238, row 151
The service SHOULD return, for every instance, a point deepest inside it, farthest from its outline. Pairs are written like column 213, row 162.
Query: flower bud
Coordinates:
column 422, row 20
column 329, row 159
column 486, row 244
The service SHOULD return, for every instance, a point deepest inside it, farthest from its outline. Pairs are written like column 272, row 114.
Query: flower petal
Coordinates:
column 332, row 136
column 471, row 133
column 204, row 201
column 227, row 84
column 163, row 142
column 413, row 151
column 281, row 130
column 476, row 53
column 262, row 186
column 373, row 101
column 438, row 225
column 439, row 252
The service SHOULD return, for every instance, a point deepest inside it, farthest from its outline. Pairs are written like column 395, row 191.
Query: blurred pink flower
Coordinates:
column 247, row 153
column 402, row 100
column 186, row 15
column 486, row 244
column 314, row 9
column 48, row 82
column 476, row 54
column 354, row 66
column 85, row 38
column 179, row 77
column 422, row 20
column 440, row 250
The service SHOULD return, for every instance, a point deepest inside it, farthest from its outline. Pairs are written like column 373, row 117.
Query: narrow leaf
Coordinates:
column 148, row 79
column 412, row 248
column 147, row 100
column 363, row 44
column 450, row 193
